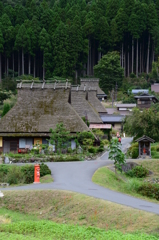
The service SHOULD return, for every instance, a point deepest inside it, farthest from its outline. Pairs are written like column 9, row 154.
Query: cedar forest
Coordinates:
column 68, row 37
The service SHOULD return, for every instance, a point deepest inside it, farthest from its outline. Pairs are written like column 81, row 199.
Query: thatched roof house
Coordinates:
column 40, row 106
column 93, row 83
column 79, row 101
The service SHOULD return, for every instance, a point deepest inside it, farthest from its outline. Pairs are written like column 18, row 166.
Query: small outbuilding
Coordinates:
column 145, row 146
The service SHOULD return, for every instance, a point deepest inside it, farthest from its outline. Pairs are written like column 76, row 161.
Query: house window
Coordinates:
column 113, row 125
column 23, row 142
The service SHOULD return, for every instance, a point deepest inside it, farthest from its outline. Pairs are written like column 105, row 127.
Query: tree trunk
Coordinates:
column 13, row 63
column 43, row 68
column 124, row 65
column 137, row 58
column 18, row 63
column 29, row 64
column 0, row 69
column 99, row 56
column 22, row 61
column 140, row 58
column 7, row 66
column 88, row 61
column 153, row 53
column 76, row 76
column 132, row 68
column 148, row 55
column 128, row 61
column 34, row 66
column 122, row 57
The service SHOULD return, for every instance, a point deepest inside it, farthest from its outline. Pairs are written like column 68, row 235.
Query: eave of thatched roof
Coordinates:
column 37, row 110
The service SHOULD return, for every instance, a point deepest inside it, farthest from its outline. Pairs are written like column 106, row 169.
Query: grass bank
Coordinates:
column 13, row 227
column 107, row 178
column 72, row 208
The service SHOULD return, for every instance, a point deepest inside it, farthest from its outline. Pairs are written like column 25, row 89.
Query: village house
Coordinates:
column 145, row 100
column 116, row 121
column 125, row 108
column 40, row 106
column 155, row 87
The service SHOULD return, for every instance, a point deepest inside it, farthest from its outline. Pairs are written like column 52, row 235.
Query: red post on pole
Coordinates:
column 37, row 173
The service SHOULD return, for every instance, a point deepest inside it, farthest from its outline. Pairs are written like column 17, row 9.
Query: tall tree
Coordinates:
column 22, row 42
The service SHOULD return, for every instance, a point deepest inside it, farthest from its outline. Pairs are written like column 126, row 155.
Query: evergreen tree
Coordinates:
column 22, row 42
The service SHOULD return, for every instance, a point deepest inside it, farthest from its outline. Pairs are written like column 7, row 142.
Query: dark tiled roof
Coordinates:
column 143, row 138
column 111, row 118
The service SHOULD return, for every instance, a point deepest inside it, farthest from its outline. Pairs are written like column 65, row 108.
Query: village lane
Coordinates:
column 76, row 177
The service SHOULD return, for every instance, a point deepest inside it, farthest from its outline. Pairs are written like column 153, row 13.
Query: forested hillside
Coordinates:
column 68, row 37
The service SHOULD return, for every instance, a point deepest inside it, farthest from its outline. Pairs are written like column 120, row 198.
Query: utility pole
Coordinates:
column 112, row 96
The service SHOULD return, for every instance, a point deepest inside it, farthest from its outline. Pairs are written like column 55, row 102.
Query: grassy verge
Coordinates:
column 106, row 178
column 72, row 208
column 46, row 179
column 30, row 229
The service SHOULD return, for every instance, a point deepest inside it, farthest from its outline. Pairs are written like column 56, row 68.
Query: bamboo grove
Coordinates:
column 68, row 37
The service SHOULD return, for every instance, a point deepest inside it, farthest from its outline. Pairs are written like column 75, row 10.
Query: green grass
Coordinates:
column 107, row 178
column 46, row 179
column 35, row 229
column 74, row 209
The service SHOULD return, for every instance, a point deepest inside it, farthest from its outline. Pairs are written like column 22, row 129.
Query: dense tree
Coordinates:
column 109, row 71
column 78, row 34
column 143, row 123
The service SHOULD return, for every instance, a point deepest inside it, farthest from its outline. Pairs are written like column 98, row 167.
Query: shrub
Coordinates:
column 15, row 175
column 28, row 171
column 44, row 170
column 92, row 149
column 134, row 153
column 133, row 184
column 149, row 190
column 6, row 109
column 105, row 142
column 69, row 150
column 138, row 171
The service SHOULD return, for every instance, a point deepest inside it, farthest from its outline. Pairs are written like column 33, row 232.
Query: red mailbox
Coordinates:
column 37, row 173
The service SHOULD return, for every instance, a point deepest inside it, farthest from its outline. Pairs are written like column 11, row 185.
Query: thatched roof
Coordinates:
column 92, row 83
column 39, row 109
column 83, row 107
column 95, row 103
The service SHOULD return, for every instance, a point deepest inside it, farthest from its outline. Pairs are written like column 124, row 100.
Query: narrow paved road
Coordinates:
column 76, row 177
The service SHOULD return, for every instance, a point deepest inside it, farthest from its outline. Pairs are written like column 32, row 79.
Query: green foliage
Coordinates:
column 99, row 133
column 86, row 121
column 143, row 123
column 149, row 190
column 92, row 149
column 6, row 109
column 135, row 153
column 84, row 136
column 44, row 170
column 109, row 71
column 17, row 174
column 59, row 136
column 116, row 154
column 45, row 229
column 28, row 171
column 138, row 172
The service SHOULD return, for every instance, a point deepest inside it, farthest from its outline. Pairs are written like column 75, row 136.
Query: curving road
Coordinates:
column 76, row 177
